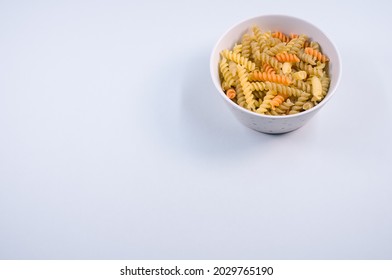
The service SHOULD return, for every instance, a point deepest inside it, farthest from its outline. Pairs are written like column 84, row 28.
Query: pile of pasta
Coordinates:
column 273, row 73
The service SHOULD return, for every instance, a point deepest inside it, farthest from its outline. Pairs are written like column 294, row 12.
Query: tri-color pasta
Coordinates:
column 273, row 73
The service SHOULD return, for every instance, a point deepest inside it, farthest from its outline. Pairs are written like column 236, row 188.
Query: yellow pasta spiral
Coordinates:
column 240, row 95
column 306, row 57
column 227, row 75
column 265, row 105
column 261, row 40
column 298, row 105
column 309, row 69
column 289, row 91
column 296, row 44
column 260, row 86
column 249, row 97
column 302, row 85
column 237, row 58
column 284, row 108
column 266, row 59
column 246, row 45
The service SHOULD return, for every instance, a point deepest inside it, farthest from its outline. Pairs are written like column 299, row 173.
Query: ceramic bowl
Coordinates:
column 287, row 25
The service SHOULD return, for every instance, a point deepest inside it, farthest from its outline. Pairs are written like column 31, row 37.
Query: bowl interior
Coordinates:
column 287, row 25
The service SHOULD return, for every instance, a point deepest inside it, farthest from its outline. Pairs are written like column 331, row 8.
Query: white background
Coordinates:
column 114, row 143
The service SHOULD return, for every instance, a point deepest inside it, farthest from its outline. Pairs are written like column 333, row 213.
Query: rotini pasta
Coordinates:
column 296, row 44
column 286, row 90
column 267, row 68
column 246, row 45
column 259, row 86
column 287, row 57
column 277, row 100
column 249, row 97
column 306, row 57
column 237, row 49
column 274, row 74
column 316, row 54
column 225, row 71
column 260, row 38
column 237, row 58
column 309, row 69
column 231, row 93
column 264, row 76
column 281, row 36
column 278, row 48
column 266, row 59
column 266, row 104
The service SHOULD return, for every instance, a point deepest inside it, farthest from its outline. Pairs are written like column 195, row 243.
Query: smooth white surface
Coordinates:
column 114, row 143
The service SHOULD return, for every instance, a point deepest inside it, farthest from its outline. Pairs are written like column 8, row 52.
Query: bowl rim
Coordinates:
column 218, row 86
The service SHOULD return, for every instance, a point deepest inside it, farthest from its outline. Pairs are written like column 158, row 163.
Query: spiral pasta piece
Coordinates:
column 237, row 49
column 259, row 38
column 278, row 48
column 308, row 105
column 237, row 58
column 277, row 100
column 273, row 42
column 306, row 57
column 255, row 48
column 281, row 36
column 249, row 97
column 266, row 104
column 325, row 84
column 287, row 57
column 233, row 68
column 227, row 76
column 259, row 86
column 286, row 90
column 269, row 69
column 309, row 69
column 316, row 54
column 302, row 85
column 314, row 45
column 230, row 93
column 296, row 44
column 246, row 45
column 264, row 76
column 298, row 105
column 266, row 59
column 240, row 95
column 285, row 107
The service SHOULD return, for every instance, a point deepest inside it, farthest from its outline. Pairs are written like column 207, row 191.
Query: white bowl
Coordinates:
column 287, row 25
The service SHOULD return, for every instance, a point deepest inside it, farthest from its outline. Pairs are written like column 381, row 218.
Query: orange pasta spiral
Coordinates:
column 316, row 54
column 277, row 100
column 264, row 76
column 268, row 69
column 287, row 57
column 281, row 36
column 231, row 93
